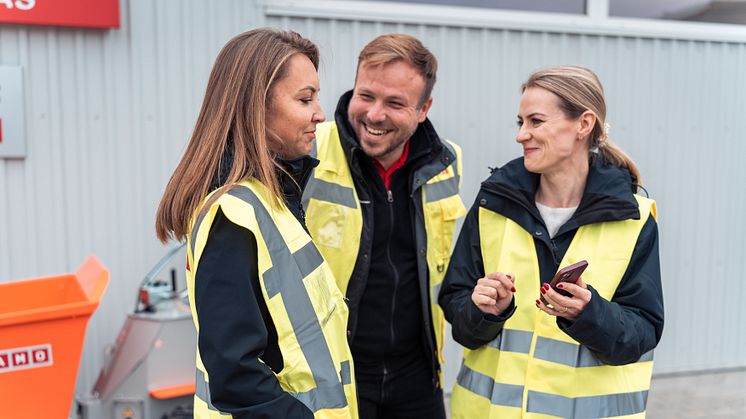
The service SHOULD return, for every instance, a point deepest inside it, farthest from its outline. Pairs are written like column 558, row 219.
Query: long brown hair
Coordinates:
column 232, row 120
column 580, row 90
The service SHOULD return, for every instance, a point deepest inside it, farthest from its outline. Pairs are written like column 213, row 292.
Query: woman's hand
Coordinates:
column 561, row 306
column 494, row 292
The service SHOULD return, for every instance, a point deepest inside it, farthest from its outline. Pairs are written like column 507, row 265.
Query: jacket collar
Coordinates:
column 607, row 196
column 291, row 174
column 294, row 174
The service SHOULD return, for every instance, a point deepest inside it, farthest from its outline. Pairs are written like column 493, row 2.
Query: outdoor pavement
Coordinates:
column 717, row 395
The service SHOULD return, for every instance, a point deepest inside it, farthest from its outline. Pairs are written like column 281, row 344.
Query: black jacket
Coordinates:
column 390, row 324
column 237, row 339
column 618, row 332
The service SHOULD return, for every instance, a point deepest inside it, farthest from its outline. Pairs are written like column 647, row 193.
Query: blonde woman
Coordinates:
column 271, row 322
column 571, row 197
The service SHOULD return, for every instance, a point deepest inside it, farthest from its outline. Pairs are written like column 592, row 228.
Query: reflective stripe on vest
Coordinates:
column 202, row 390
column 321, row 190
column 448, row 187
column 330, row 192
column 532, row 367
column 443, row 189
column 511, row 395
column 285, row 276
column 551, row 350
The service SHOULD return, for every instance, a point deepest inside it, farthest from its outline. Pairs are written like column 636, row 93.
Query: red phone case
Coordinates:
column 569, row 273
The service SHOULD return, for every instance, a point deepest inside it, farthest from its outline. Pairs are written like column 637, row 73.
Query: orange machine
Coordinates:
column 42, row 327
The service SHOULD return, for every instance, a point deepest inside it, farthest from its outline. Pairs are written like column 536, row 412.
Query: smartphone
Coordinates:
column 570, row 274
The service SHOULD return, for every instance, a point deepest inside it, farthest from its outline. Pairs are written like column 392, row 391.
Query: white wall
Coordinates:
column 108, row 114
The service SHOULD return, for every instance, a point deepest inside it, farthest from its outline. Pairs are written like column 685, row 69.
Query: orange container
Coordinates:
column 42, row 327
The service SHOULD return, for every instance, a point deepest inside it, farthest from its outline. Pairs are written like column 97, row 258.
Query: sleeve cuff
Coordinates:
column 487, row 326
column 587, row 327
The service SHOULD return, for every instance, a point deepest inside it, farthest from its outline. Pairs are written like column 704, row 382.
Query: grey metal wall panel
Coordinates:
column 674, row 105
column 108, row 115
column 109, row 112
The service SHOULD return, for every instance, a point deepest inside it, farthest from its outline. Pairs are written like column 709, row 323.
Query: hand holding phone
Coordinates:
column 569, row 274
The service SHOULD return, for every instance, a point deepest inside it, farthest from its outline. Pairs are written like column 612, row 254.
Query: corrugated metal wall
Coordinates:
column 108, row 114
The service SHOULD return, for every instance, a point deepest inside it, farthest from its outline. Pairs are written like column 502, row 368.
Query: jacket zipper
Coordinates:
column 383, row 380
column 554, row 250
column 390, row 198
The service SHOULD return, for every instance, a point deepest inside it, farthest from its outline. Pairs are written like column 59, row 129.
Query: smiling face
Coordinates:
column 385, row 108
column 552, row 142
column 295, row 109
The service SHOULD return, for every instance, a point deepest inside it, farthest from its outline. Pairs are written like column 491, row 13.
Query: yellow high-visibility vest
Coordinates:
column 335, row 219
column 304, row 303
column 532, row 369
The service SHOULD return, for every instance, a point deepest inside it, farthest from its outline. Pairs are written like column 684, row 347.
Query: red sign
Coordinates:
column 83, row 13
column 23, row 358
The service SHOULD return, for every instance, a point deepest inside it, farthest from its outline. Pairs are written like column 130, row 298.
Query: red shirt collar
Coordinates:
column 387, row 174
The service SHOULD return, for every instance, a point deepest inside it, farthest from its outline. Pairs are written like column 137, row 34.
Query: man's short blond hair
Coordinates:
column 398, row 46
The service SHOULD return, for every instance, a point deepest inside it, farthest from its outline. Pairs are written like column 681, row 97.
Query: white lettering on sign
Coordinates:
column 40, row 355
column 19, row 4
column 19, row 359
column 15, row 359
column 25, row 4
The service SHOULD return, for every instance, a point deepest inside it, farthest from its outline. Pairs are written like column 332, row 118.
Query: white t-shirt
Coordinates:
column 554, row 218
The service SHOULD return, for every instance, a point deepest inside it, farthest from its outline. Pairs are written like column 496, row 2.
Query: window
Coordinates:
column 554, row 6
column 723, row 11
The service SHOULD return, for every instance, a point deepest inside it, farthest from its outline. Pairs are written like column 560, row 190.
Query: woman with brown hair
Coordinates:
column 271, row 322
column 583, row 350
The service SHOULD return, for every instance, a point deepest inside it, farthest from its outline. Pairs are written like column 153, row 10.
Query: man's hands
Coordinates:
column 494, row 292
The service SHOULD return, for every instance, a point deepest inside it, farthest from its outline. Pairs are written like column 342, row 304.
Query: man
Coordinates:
column 382, row 207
